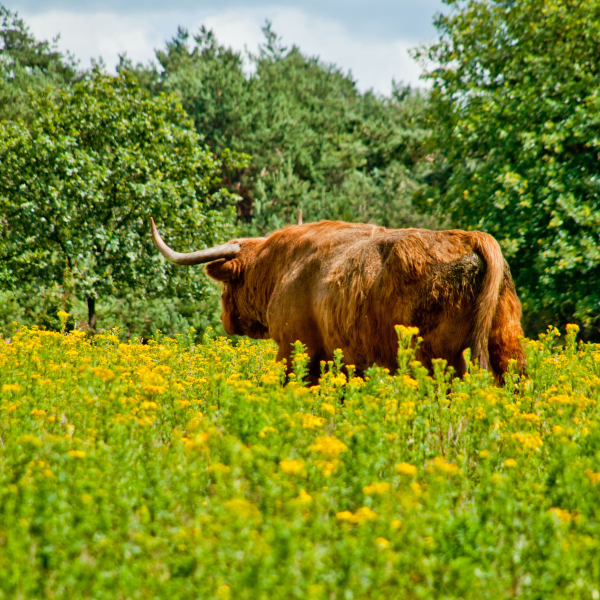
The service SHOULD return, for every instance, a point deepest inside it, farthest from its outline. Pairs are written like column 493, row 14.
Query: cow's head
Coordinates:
column 229, row 264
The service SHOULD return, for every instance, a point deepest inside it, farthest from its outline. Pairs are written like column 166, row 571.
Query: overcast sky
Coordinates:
column 368, row 38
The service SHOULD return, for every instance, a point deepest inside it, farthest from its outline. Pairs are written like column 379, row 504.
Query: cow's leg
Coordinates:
column 314, row 369
column 456, row 360
column 459, row 364
column 425, row 354
column 504, row 344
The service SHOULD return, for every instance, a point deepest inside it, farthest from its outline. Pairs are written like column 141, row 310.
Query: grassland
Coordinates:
column 169, row 470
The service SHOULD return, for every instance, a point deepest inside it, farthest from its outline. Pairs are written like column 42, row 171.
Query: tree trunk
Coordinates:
column 92, row 312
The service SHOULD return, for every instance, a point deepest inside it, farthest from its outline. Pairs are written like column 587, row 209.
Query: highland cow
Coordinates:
column 340, row 285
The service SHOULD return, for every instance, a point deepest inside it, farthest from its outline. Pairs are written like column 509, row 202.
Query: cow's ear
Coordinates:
column 224, row 270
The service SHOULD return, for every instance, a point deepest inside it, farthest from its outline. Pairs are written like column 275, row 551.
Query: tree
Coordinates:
column 27, row 63
column 515, row 104
column 316, row 142
column 79, row 183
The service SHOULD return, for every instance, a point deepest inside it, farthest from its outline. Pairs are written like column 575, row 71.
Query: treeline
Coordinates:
column 311, row 139
column 216, row 143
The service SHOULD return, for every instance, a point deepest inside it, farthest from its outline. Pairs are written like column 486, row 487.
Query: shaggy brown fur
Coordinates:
column 339, row 285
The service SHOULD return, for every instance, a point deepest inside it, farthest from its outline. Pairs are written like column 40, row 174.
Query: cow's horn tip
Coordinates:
column 154, row 228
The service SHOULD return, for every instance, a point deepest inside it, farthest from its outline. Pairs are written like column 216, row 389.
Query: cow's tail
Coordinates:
column 487, row 247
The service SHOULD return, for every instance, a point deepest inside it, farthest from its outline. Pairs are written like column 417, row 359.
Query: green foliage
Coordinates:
column 315, row 141
column 171, row 470
column 515, row 109
column 135, row 316
column 96, row 156
column 26, row 63
column 80, row 182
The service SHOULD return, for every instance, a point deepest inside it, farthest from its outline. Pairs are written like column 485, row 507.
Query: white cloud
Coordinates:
column 103, row 34
column 373, row 63
column 90, row 35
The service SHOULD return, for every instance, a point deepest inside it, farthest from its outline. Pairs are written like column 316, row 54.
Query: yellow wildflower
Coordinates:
column 510, row 463
column 270, row 379
column 362, row 514
column 406, row 469
column 480, row 413
column 266, row 430
column 562, row 399
column 409, row 381
column 224, row 592
column 377, row 489
column 416, row 488
column 563, row 515
column 11, row 387
column 243, row 508
column 304, row 497
column 105, row 374
column 311, row 422
column 218, row 468
column 163, row 370
column 328, row 447
column 196, row 422
column 76, row 453
column 328, row 467
column 528, row 441
column 440, row 465
column 155, row 389
column 382, row 543
column 30, row 440
column 328, row 408
column 531, row 417
column 593, row 477
column 339, row 380
column 406, row 331
column 293, row 467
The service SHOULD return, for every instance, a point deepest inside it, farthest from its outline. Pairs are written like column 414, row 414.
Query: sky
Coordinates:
column 370, row 39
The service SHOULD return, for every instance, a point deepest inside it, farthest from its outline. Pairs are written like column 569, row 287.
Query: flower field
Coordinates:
column 169, row 470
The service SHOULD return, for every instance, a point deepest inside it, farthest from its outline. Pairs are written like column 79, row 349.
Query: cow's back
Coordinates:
column 346, row 286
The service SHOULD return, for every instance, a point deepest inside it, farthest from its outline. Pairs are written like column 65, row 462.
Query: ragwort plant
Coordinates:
column 170, row 470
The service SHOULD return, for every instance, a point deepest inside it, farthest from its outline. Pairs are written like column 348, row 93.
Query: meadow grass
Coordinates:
column 170, row 470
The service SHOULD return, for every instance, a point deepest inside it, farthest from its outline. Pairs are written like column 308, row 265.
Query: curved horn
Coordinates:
column 193, row 258
column 300, row 217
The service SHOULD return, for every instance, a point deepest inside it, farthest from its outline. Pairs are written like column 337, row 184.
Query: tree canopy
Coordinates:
column 515, row 113
column 81, row 180
column 26, row 63
column 505, row 140
column 312, row 139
